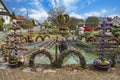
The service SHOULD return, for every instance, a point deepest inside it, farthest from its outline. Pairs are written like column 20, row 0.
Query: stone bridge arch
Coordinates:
column 40, row 51
column 69, row 51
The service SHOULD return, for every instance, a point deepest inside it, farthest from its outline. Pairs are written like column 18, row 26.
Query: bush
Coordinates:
column 1, row 25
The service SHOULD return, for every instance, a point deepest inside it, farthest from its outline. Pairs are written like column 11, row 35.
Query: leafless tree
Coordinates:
column 54, row 12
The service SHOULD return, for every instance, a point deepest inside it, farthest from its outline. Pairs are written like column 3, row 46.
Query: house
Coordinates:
column 86, row 28
column 24, row 22
column 21, row 19
column 4, row 13
column 116, row 21
column 108, row 26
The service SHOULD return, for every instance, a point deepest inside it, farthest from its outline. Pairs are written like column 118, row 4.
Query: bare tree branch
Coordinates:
column 54, row 12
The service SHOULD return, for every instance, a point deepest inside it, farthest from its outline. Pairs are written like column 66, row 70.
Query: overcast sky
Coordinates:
column 38, row 9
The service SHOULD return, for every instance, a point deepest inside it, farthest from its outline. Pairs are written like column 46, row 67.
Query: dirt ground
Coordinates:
column 65, row 73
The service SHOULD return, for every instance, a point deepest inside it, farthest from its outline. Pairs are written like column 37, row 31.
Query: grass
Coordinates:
column 0, row 43
column 22, row 68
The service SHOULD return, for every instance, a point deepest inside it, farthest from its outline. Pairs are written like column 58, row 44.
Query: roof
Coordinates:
column 116, row 21
column 20, row 17
column 4, row 13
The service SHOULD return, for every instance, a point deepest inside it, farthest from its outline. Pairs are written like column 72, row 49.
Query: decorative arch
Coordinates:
column 116, row 42
column 42, row 38
column 91, row 39
column 46, row 36
column 25, row 39
column 5, row 52
column 3, row 46
column 40, row 51
column 76, row 52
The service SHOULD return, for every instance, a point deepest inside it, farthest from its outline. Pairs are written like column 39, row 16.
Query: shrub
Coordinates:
column 1, row 25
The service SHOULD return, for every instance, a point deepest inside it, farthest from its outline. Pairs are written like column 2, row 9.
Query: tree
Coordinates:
column 48, row 24
column 45, row 22
column 1, row 24
column 92, row 21
column 13, row 15
column 54, row 12
column 73, row 22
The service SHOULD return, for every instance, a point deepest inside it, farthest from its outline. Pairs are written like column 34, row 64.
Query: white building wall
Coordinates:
column 7, row 19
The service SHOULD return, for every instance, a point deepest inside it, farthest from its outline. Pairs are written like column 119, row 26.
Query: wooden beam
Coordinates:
column 4, row 13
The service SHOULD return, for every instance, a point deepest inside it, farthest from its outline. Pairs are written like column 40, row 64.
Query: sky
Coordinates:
column 38, row 9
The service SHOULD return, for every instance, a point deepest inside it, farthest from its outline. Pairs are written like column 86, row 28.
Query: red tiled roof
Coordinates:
column 21, row 18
